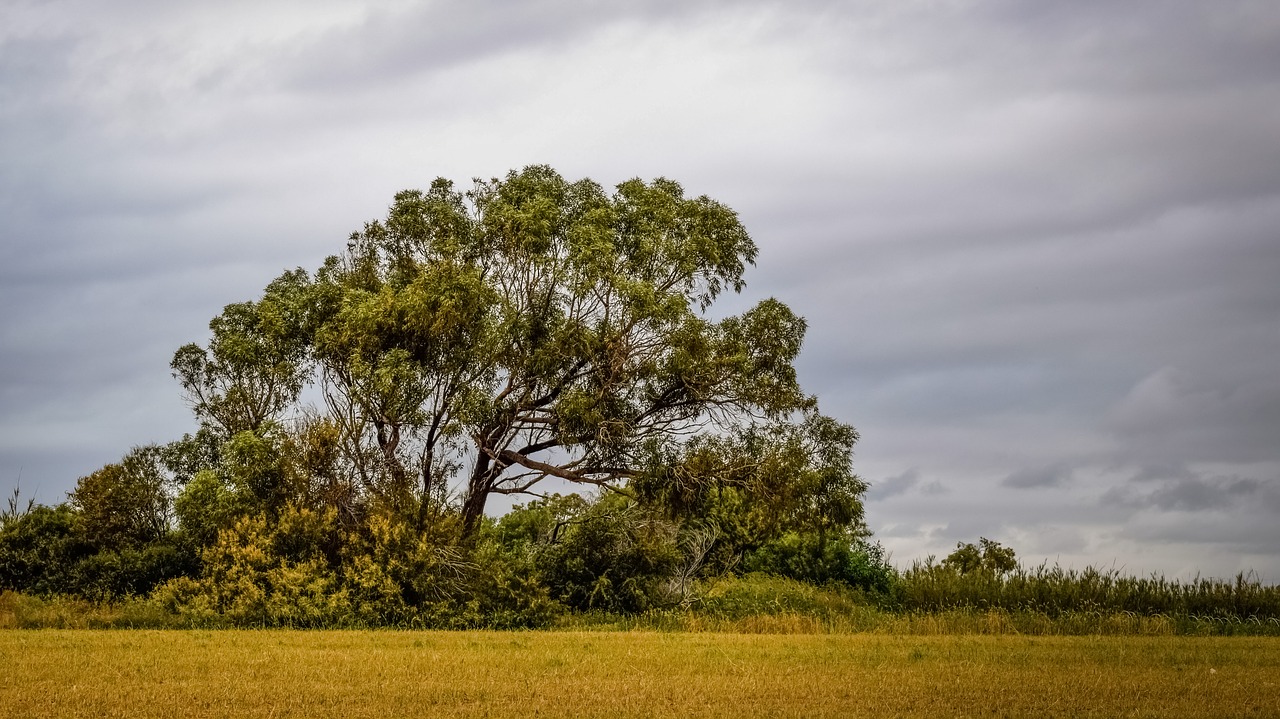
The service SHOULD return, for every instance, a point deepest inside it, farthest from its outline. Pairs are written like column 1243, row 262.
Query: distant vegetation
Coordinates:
column 355, row 421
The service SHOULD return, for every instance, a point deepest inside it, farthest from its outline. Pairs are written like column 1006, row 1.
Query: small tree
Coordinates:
column 987, row 555
column 125, row 504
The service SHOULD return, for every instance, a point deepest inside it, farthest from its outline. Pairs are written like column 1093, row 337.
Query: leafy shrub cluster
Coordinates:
column 815, row 559
column 228, row 555
column 47, row 551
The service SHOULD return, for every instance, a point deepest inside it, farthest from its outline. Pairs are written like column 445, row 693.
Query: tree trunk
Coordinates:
column 477, row 495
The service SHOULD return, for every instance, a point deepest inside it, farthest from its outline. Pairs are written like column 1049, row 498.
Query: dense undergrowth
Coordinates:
column 572, row 562
column 1090, row 603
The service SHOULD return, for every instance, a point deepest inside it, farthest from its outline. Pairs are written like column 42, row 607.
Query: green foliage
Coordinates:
column 260, row 471
column 810, row 558
column 611, row 555
column 504, row 591
column 761, row 483
column 393, row 570
column 300, row 569
column 129, row 571
column 184, row 458
column 255, row 364
column 264, row 573
column 40, row 550
column 47, row 551
column 529, row 527
column 207, row 505
column 125, row 504
column 256, row 466
column 986, row 556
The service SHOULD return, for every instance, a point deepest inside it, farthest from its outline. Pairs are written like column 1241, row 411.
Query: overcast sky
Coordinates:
column 1037, row 243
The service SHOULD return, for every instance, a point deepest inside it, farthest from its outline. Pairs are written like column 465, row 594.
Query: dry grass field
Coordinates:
column 79, row 673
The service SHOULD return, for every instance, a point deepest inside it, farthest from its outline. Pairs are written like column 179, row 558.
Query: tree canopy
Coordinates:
column 528, row 328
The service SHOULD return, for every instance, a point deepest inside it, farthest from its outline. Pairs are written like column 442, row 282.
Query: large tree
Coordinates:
column 528, row 328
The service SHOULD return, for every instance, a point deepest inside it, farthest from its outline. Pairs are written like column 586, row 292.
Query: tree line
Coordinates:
column 529, row 336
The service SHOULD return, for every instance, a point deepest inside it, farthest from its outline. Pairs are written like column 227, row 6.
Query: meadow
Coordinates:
column 282, row 673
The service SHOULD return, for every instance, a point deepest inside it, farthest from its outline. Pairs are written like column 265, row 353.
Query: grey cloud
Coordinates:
column 1047, row 540
column 1152, row 45
column 1173, row 414
column 390, row 45
column 967, row 529
column 934, row 489
column 1157, row 472
column 1189, row 491
column 893, row 486
column 1053, row 475
column 904, row 483
column 1144, row 46
column 1246, row 535
column 899, row 531
column 30, row 69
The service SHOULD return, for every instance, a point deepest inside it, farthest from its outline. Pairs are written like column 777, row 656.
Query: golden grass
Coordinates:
column 57, row 673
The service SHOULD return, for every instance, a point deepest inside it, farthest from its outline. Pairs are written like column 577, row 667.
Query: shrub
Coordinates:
column 770, row 595
column 130, row 571
column 207, row 506
column 40, row 549
column 264, row 574
column 125, row 504
column 393, row 571
column 807, row 558
column 611, row 555
column 505, row 591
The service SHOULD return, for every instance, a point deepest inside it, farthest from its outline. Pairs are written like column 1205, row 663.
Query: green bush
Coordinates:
column 130, row 571
column 807, row 558
column 46, row 552
column 124, row 504
column 300, row 570
column 770, row 595
column 612, row 555
column 505, row 591
column 40, row 549
column 394, row 573
column 207, row 506
column 263, row 574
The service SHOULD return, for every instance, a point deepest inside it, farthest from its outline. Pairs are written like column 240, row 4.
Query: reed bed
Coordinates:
column 1055, row 591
